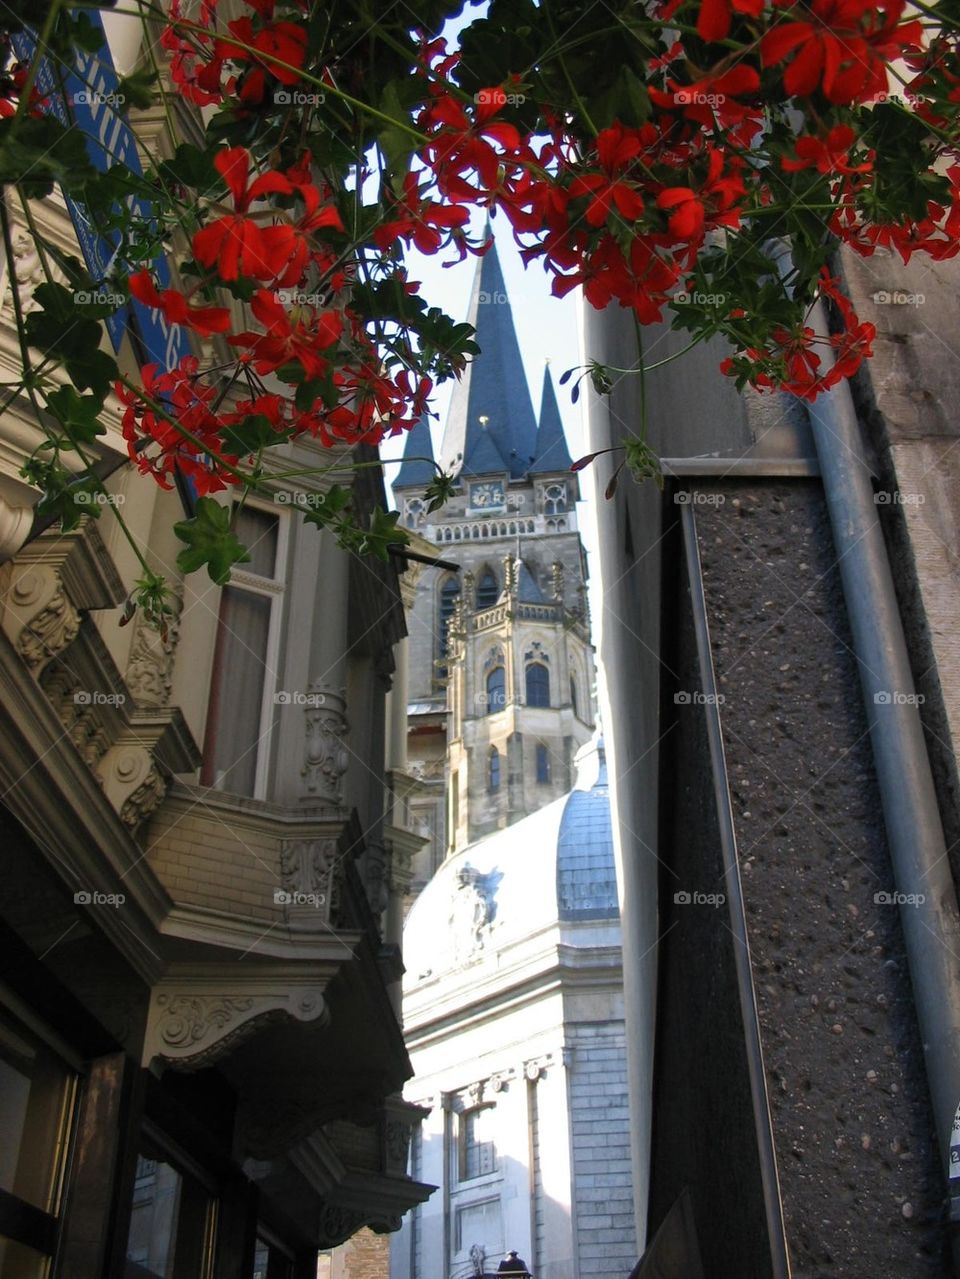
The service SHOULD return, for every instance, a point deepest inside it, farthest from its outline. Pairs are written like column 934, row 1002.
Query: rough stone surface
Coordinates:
column 863, row 1192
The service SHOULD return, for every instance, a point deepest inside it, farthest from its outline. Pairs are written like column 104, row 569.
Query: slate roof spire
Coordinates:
column 493, row 387
column 552, row 453
column 415, row 471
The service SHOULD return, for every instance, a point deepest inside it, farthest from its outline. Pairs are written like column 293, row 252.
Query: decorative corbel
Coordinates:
column 193, row 1022
column 325, row 755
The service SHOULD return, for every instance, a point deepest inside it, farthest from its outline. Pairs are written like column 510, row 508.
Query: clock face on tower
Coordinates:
column 487, row 494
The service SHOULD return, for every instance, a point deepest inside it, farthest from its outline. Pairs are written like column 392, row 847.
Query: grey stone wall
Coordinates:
column 859, row 1169
column 600, row 1124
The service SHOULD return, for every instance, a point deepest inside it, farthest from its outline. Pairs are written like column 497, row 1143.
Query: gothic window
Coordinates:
column 538, row 685
column 543, row 764
column 573, row 696
column 488, row 590
column 493, row 775
column 554, row 499
column 416, row 513
column 242, row 682
column 478, row 1148
column 496, row 690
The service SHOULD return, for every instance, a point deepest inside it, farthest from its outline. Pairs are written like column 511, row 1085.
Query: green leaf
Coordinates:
column 439, row 491
column 81, row 33
column 191, row 167
column 210, row 541
column 254, row 433
column 137, row 90
column 80, row 414
column 42, row 153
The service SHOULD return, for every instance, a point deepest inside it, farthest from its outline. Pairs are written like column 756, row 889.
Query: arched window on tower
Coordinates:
column 538, row 685
column 493, row 769
column 496, row 690
column 449, row 593
column 554, row 499
column 543, row 764
column 488, row 590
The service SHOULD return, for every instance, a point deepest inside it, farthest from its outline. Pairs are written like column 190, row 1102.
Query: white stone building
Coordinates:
column 513, row 1001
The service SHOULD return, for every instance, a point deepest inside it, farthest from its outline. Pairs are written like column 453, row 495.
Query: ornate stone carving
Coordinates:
column 535, row 1067
column 396, row 1145
column 131, row 780
column 377, row 878
column 326, row 756
column 268, row 1126
column 39, row 614
column 149, row 673
column 191, row 1028
column 557, row 581
column 338, row 1223
column 471, row 913
column 309, row 878
column 81, row 720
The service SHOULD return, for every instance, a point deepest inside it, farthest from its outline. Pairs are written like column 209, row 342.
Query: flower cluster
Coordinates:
column 754, row 117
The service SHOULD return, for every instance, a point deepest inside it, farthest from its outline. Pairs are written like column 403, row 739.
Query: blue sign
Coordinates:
column 88, row 97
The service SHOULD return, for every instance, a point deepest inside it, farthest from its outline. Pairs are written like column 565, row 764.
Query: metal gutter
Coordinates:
column 918, row 854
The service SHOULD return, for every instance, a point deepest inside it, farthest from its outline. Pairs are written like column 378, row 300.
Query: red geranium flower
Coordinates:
column 204, row 320
column 294, row 336
column 616, row 148
column 844, row 48
column 713, row 22
column 827, row 155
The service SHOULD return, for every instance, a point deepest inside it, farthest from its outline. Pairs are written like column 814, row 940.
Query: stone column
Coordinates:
column 325, row 754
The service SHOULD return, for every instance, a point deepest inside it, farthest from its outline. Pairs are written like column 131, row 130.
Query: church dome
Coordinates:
column 555, row 866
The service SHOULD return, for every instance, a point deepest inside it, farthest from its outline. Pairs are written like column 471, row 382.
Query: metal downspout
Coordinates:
column 917, row 850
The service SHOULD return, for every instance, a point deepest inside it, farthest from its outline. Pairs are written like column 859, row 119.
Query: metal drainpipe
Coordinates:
column 917, row 850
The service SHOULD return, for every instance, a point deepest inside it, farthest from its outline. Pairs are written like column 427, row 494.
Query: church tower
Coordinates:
column 501, row 665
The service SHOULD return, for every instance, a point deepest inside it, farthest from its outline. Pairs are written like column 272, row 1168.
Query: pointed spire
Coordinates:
column 493, row 387
column 552, row 453
column 415, row 471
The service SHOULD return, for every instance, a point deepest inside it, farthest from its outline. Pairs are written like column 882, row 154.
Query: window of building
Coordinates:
column 543, row 764
column 488, row 591
column 538, row 685
column 449, row 594
column 416, row 513
column 242, row 684
column 573, row 696
column 173, row 1219
column 271, row 1260
column 496, row 690
column 554, row 499
column 478, row 1147
column 481, row 1225
column 37, row 1098
column 493, row 769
